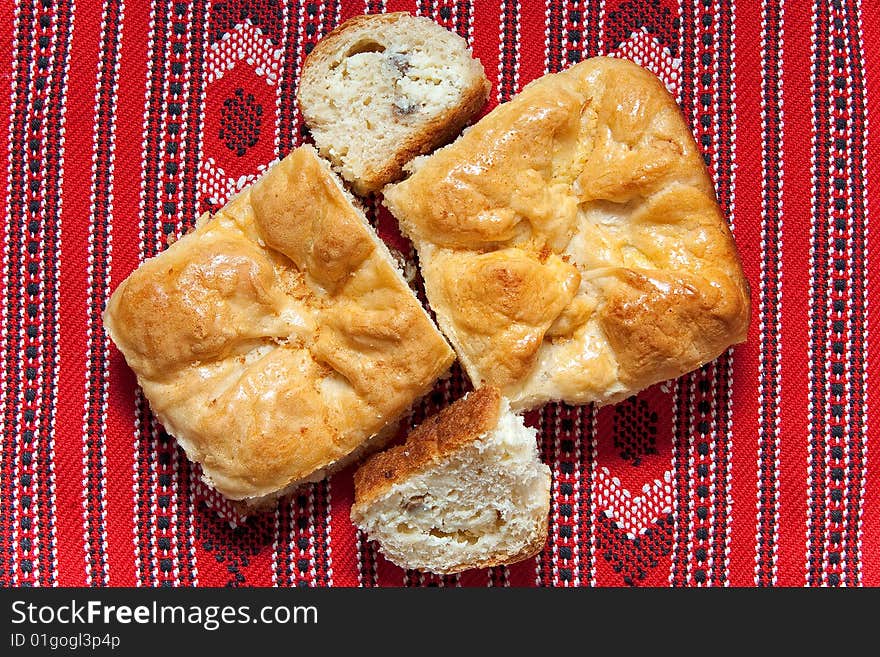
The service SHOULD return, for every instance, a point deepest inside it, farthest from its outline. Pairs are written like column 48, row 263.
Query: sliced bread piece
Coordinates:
column 380, row 90
column 467, row 490
column 277, row 340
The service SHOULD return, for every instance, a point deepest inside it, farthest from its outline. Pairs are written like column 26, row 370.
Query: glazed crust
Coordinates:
column 584, row 210
column 425, row 137
column 278, row 337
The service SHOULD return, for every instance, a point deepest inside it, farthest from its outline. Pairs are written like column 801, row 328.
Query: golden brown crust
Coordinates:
column 252, row 505
column 325, row 48
column 595, row 166
column 329, row 245
column 435, row 132
column 437, row 437
column 507, row 296
column 276, row 338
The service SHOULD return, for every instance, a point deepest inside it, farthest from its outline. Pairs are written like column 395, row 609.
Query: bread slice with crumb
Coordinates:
column 380, row 90
column 467, row 490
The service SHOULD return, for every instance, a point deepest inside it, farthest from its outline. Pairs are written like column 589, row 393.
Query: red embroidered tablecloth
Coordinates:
column 126, row 120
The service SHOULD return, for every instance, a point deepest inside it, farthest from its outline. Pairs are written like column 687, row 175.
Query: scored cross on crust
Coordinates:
column 571, row 244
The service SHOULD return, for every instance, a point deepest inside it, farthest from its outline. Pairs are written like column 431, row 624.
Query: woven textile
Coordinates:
column 126, row 120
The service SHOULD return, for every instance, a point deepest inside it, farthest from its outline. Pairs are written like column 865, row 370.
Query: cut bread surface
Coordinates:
column 467, row 490
column 381, row 89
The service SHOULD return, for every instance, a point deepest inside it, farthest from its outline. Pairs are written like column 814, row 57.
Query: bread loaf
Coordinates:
column 278, row 339
column 570, row 241
column 467, row 490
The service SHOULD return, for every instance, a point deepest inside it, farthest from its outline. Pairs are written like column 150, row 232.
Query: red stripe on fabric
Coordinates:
column 680, row 401
column 531, row 43
column 100, row 250
column 332, row 15
column 794, row 336
column 121, row 402
column 288, row 121
column 523, row 573
column 839, row 279
column 46, row 164
column 748, row 228
column 158, row 453
column 7, row 15
column 856, row 443
column 324, row 518
column 350, row 9
column 485, row 45
column 18, row 530
column 343, row 535
column 280, row 561
column 387, row 574
column 12, row 545
column 400, row 5
column 392, row 6
column 710, row 415
column 725, row 147
column 476, row 577
column 554, row 40
column 73, row 283
column 870, row 544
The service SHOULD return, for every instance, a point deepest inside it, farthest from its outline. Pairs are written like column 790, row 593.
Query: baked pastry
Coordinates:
column 278, row 338
column 467, row 490
column 379, row 90
column 570, row 241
